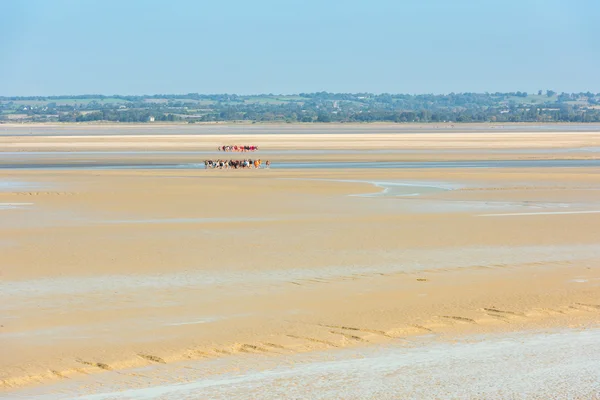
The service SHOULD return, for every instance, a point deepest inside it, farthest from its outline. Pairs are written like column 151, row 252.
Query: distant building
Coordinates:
column 151, row 119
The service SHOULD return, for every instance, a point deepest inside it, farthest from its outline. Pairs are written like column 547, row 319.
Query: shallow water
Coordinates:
column 392, row 188
column 243, row 129
column 11, row 185
column 29, row 155
column 190, row 220
column 318, row 165
column 438, row 164
column 14, row 206
column 541, row 213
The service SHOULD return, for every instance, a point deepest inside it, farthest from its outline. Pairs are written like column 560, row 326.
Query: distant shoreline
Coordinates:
column 273, row 129
column 443, row 125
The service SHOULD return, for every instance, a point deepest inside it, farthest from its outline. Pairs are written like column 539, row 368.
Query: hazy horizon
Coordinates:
column 69, row 47
column 109, row 95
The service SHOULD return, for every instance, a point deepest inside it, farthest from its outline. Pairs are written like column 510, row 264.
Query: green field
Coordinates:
column 67, row 101
column 313, row 107
column 532, row 99
column 273, row 100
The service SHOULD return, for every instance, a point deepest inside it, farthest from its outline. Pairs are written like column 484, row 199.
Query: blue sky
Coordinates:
column 291, row 46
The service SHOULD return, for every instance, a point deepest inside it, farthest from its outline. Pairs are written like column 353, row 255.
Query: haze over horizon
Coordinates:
column 146, row 47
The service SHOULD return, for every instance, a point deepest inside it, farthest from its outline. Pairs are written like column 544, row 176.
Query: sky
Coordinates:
column 136, row 47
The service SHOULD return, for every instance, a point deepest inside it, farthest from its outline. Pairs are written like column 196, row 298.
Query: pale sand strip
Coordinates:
column 540, row 213
column 540, row 364
column 368, row 140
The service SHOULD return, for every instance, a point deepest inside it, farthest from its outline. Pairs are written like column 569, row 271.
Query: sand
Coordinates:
column 117, row 269
column 549, row 364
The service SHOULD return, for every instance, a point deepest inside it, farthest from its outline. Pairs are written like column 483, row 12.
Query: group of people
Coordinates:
column 238, row 148
column 235, row 164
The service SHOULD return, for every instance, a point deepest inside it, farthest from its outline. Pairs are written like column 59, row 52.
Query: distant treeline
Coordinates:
column 543, row 106
column 117, row 116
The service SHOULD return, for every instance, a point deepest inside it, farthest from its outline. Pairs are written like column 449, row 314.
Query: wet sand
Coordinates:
column 380, row 137
column 539, row 364
column 108, row 270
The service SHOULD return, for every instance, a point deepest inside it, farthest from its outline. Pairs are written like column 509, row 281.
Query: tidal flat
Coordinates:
column 462, row 279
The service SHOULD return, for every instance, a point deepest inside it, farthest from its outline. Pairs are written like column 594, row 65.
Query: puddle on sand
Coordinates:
column 403, row 188
column 10, row 185
column 399, row 189
column 491, row 208
column 541, row 213
column 206, row 320
column 408, row 189
column 185, row 220
column 14, row 206
column 391, row 188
